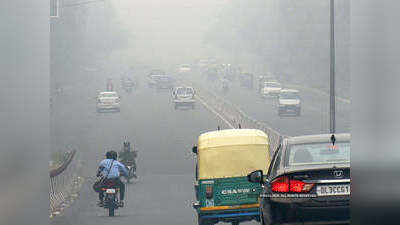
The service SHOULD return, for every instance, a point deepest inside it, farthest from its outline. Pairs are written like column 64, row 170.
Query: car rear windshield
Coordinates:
column 157, row 72
column 288, row 95
column 184, row 91
column 108, row 95
column 318, row 153
column 164, row 79
column 273, row 85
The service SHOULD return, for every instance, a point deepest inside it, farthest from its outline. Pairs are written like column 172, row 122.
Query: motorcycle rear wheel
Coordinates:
column 111, row 211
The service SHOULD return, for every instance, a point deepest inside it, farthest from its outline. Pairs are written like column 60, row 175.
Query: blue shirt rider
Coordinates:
column 115, row 169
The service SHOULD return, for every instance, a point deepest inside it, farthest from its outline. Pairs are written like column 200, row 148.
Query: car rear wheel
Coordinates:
column 266, row 215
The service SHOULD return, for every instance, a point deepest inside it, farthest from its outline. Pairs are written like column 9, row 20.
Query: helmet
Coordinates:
column 112, row 155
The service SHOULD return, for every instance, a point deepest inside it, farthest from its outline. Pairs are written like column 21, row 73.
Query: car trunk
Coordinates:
column 108, row 100
column 322, row 173
column 331, row 185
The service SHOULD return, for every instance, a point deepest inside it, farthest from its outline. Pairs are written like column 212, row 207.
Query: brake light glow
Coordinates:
column 280, row 185
column 284, row 185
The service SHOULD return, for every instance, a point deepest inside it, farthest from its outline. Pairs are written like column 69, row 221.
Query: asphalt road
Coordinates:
column 163, row 136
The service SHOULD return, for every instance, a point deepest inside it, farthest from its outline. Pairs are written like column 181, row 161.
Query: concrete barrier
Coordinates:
column 231, row 115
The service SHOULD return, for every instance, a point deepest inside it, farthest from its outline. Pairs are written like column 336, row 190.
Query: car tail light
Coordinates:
column 209, row 191
column 280, row 185
column 299, row 186
column 284, row 184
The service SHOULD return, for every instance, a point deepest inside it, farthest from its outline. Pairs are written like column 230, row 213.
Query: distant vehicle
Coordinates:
column 271, row 89
column 108, row 101
column 164, row 82
column 212, row 60
column 109, row 85
column 308, row 181
column 157, row 72
column 212, row 73
column 184, row 68
column 231, row 72
column 289, row 102
column 225, row 85
column 261, row 81
column 246, row 80
column 128, row 84
column 202, row 63
column 223, row 160
column 183, row 97
column 153, row 76
column 152, row 80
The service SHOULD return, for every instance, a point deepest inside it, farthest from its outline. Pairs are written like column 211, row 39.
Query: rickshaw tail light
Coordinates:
column 209, row 191
column 280, row 185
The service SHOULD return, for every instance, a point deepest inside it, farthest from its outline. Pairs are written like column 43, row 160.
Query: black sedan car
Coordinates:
column 308, row 181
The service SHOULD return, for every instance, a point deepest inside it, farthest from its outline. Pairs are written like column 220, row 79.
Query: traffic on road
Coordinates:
column 197, row 131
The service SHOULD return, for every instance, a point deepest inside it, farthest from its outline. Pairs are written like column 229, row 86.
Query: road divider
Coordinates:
column 231, row 115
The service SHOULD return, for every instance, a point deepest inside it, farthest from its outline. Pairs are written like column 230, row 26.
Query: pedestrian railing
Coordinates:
column 63, row 183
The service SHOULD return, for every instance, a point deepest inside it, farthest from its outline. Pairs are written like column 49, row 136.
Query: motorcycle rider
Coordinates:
column 225, row 84
column 112, row 168
column 127, row 157
column 109, row 86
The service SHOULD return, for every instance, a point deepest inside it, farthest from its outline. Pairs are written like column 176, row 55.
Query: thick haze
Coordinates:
column 93, row 41
column 165, row 32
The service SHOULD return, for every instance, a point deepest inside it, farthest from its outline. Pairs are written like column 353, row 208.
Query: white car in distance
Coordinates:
column 184, row 68
column 271, row 89
column 183, row 97
column 108, row 101
column 289, row 102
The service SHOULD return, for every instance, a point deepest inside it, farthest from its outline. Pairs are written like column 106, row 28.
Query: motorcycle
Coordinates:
column 128, row 89
column 131, row 172
column 111, row 198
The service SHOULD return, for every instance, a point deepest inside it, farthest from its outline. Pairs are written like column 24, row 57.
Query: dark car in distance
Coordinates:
column 308, row 181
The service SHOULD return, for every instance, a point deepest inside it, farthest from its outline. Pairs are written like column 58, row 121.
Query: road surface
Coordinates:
column 163, row 136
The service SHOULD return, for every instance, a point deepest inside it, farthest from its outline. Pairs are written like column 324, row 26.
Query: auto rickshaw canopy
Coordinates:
column 232, row 153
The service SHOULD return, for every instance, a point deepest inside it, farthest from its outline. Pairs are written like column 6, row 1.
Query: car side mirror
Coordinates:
column 194, row 149
column 255, row 177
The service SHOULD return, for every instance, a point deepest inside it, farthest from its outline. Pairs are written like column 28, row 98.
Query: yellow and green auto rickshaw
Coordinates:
column 223, row 160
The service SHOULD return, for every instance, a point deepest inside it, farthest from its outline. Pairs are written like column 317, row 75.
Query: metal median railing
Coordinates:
column 63, row 184
column 231, row 115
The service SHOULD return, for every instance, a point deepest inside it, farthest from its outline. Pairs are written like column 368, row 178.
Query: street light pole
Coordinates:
column 332, row 69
